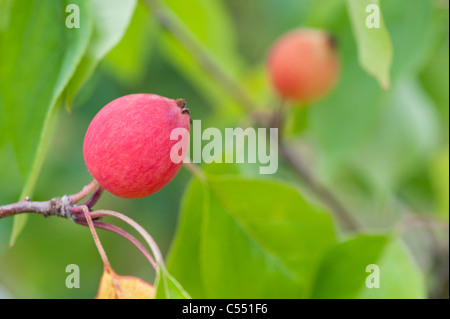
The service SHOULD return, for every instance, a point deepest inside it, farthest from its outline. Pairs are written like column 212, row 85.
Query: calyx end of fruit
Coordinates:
column 182, row 105
column 332, row 41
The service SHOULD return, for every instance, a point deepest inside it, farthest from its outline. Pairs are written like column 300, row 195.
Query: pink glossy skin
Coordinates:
column 303, row 65
column 127, row 145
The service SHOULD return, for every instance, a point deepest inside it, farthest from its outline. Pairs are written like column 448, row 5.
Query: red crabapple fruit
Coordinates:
column 303, row 65
column 127, row 145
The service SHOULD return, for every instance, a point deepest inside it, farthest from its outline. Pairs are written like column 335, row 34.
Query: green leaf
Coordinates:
column 111, row 19
column 9, row 171
column 5, row 8
column 183, row 260
column 168, row 287
column 438, row 68
column 440, row 180
column 296, row 122
column 409, row 25
column 374, row 45
column 344, row 270
column 340, row 123
column 207, row 24
column 254, row 239
column 400, row 277
column 407, row 125
column 324, row 13
column 38, row 55
column 128, row 59
column 28, row 189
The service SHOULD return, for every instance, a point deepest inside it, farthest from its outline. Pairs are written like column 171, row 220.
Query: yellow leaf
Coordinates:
column 113, row 286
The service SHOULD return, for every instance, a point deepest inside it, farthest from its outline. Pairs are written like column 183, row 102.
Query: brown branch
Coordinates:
column 65, row 206
column 53, row 207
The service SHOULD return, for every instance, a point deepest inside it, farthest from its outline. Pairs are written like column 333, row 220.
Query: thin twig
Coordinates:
column 412, row 220
column 149, row 239
column 95, row 236
column 126, row 235
column 277, row 120
column 438, row 245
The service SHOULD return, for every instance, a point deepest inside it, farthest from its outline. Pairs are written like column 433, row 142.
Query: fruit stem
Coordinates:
column 94, row 198
column 124, row 234
column 195, row 170
column 102, row 252
column 278, row 117
column 149, row 239
column 88, row 189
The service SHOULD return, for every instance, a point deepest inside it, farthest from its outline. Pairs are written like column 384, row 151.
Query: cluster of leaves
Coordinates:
column 241, row 238
column 238, row 236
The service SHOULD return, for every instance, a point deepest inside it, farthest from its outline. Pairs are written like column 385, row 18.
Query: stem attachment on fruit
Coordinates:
column 88, row 189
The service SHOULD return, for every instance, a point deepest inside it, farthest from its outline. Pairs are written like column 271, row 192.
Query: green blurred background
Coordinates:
column 381, row 151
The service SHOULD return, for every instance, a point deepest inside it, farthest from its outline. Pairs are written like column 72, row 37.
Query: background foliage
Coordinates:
column 384, row 152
